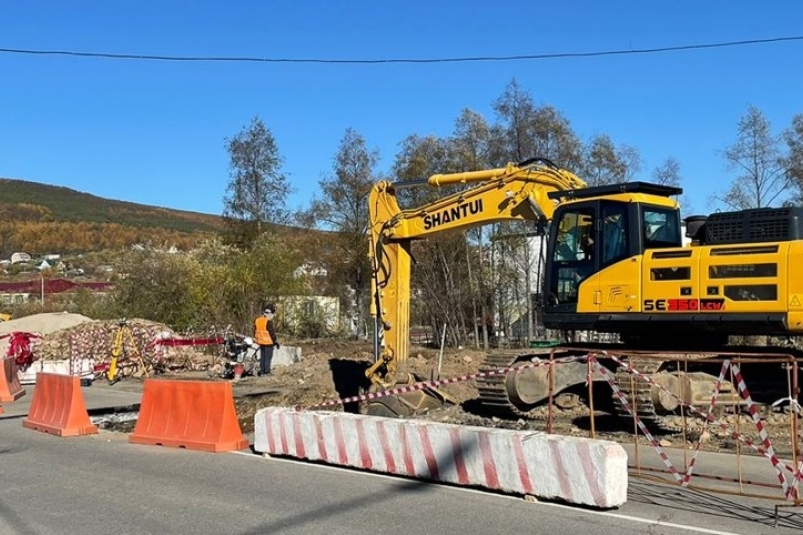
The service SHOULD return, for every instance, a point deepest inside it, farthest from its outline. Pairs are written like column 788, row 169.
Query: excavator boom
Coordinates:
column 514, row 192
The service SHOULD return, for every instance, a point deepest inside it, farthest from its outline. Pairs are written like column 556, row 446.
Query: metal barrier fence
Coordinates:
column 731, row 412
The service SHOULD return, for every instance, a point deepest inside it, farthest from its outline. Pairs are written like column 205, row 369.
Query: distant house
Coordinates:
column 17, row 293
column 51, row 257
column 59, row 266
column 298, row 311
column 18, row 258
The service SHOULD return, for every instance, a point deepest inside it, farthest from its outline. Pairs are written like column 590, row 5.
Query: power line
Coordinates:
column 523, row 57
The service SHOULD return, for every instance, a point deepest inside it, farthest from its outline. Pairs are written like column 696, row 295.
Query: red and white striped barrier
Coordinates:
column 622, row 397
column 575, row 470
column 762, row 432
column 535, row 362
column 711, row 405
column 193, row 342
column 766, row 451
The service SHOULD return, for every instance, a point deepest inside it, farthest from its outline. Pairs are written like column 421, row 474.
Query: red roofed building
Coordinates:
column 20, row 292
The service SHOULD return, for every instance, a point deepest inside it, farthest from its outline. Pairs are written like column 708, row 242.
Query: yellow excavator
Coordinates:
column 615, row 263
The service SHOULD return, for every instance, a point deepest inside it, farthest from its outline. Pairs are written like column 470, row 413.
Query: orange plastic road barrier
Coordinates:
column 196, row 415
column 10, row 387
column 58, row 407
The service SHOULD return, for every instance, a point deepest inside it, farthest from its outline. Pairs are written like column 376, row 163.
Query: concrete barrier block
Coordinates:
column 570, row 469
column 286, row 355
column 83, row 368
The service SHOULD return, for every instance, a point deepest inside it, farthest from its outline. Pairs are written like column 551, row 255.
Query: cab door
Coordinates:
column 573, row 260
column 619, row 281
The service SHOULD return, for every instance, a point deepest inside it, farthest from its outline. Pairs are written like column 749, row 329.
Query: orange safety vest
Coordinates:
column 261, row 333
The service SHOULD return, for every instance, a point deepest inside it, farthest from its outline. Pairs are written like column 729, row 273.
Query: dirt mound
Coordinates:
column 336, row 370
column 44, row 323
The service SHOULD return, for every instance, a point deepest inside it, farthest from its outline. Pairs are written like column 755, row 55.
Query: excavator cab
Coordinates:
column 596, row 239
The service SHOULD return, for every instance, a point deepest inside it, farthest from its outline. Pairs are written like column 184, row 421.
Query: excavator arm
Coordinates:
column 515, row 192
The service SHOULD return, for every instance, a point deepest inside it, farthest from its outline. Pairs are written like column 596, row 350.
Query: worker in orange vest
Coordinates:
column 265, row 336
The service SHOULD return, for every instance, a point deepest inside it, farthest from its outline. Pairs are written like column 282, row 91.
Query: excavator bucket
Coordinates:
column 409, row 403
column 523, row 388
column 531, row 386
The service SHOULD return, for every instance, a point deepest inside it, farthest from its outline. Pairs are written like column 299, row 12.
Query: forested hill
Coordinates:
column 41, row 218
column 57, row 203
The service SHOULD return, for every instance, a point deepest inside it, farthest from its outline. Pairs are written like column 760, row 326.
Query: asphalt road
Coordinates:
column 101, row 485
column 98, row 397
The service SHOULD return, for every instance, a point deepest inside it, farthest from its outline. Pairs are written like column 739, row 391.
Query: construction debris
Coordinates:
column 76, row 337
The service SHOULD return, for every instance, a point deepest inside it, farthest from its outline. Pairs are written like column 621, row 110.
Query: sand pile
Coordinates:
column 44, row 323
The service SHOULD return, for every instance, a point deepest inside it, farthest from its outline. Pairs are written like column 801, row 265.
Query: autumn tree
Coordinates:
column 453, row 273
column 756, row 157
column 214, row 285
column 499, row 260
column 250, row 278
column 419, row 158
column 525, row 130
column 515, row 109
column 667, row 173
column 793, row 137
column 475, row 145
column 342, row 211
column 439, row 274
column 472, row 143
column 555, row 139
column 456, row 272
column 157, row 287
column 258, row 189
column 606, row 163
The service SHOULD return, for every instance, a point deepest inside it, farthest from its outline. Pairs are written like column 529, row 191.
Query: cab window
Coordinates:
column 574, row 257
column 575, row 240
column 614, row 233
column 660, row 227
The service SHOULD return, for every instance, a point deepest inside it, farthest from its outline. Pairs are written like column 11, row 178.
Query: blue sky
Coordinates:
column 153, row 132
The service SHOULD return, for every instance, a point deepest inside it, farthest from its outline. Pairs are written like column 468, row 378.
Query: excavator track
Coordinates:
column 497, row 393
column 513, row 396
column 493, row 394
column 638, row 390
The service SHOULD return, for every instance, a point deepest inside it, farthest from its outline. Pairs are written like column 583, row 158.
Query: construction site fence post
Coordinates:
column 787, row 472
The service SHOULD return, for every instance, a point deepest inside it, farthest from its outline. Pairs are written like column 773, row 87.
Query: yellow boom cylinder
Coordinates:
column 468, row 176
